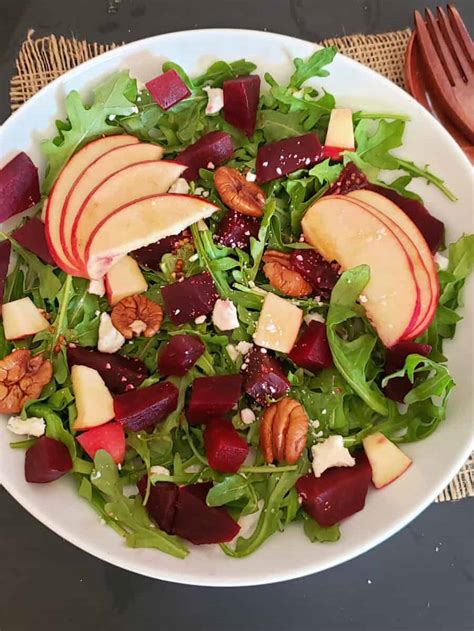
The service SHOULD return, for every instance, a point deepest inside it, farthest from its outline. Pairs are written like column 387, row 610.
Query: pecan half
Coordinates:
column 22, row 378
column 278, row 270
column 137, row 315
column 283, row 430
column 239, row 194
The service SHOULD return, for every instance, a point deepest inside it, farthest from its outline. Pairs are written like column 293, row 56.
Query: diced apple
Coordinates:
column 167, row 89
column 241, row 102
column 94, row 403
column 388, row 461
column 110, row 437
column 215, row 147
column 5, row 251
column 124, row 279
column 279, row 158
column 278, row 324
column 139, row 224
column 31, row 236
column 340, row 133
column 264, row 377
column 19, row 186
column 47, row 460
column 344, row 231
column 213, row 397
column 21, row 318
column 187, row 300
column 140, row 409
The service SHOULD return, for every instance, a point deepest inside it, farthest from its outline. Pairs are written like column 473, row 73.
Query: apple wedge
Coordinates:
column 66, row 179
column 340, row 133
column 345, row 231
column 429, row 300
column 94, row 403
column 124, row 279
column 388, row 461
column 138, row 224
column 22, row 318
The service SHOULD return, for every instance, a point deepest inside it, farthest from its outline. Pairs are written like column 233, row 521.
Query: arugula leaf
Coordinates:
column 230, row 489
column 325, row 172
column 318, row 533
column 312, row 67
column 400, row 185
column 54, row 426
column 221, row 71
column 277, row 125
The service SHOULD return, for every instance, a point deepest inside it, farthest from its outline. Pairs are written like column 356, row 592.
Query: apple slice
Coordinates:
column 140, row 223
column 22, row 318
column 124, row 279
column 429, row 299
column 340, row 133
column 94, row 403
column 66, row 179
column 345, row 231
column 122, row 187
column 388, row 461
column 278, row 325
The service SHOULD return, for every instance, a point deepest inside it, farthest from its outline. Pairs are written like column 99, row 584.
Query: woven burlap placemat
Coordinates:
column 40, row 60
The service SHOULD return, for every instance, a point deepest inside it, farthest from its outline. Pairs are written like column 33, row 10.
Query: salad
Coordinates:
column 221, row 315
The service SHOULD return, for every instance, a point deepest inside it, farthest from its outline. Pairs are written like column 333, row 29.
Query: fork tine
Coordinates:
column 428, row 51
column 453, row 44
column 438, row 46
column 463, row 35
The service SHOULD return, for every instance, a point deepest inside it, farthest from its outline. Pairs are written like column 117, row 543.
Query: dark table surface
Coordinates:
column 420, row 579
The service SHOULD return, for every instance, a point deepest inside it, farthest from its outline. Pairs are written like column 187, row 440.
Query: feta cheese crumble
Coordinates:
column 159, row 470
column 250, row 177
column 215, row 100
column 110, row 340
column 33, row 426
column 441, row 261
column 180, row 187
column 330, row 453
column 314, row 317
column 97, row 287
column 244, row 347
column 232, row 352
column 224, row 315
column 247, row 416
column 200, row 319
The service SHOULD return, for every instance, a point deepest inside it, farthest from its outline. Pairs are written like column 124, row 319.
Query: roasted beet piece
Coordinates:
column 213, row 397
column 235, row 229
column 395, row 357
column 150, row 256
column 264, row 377
column 119, row 373
column 47, row 460
column 225, row 448
column 215, row 147
column 167, row 89
column 320, row 274
column 187, row 300
column 19, row 186
column 180, row 354
column 351, row 179
column 312, row 350
column 282, row 157
column 241, row 102
column 338, row 493
column 5, row 251
column 110, row 437
column 140, row 409
column 162, row 502
column 31, row 236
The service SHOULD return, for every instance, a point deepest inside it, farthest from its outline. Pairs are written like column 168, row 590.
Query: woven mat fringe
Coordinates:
column 43, row 59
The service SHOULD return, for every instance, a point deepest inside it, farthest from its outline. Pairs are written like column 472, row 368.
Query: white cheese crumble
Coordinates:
column 244, row 347
column 247, row 416
column 200, row 319
column 180, row 187
column 224, row 315
column 441, row 261
column 110, row 340
column 97, row 287
column 330, row 453
column 232, row 352
column 33, row 426
column 314, row 317
column 250, row 177
column 215, row 100
column 193, row 258
column 159, row 470
column 199, row 190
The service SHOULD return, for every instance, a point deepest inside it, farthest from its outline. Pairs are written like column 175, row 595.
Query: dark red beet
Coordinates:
column 241, row 102
column 162, row 502
column 167, row 89
column 225, row 449
column 140, row 409
column 282, row 157
column 235, row 229
column 31, row 236
column 351, row 179
column 395, row 357
column 47, row 460
column 312, row 350
column 315, row 270
column 110, row 437
column 180, row 354
column 199, row 523
column 264, row 377
column 5, row 251
column 193, row 297
column 215, row 147
column 19, row 186
column 338, row 493
column 150, row 256
column 213, row 397
column 120, row 373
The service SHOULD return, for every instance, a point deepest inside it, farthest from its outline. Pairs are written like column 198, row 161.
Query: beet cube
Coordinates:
column 235, row 229
column 312, row 350
column 187, row 300
column 350, row 179
column 120, row 373
column 338, row 493
column 213, row 397
column 282, row 157
column 162, row 502
column 321, row 275
column 31, row 236
column 180, row 354
column 225, row 449
column 215, row 147
column 110, row 437
column 19, row 186
column 264, row 377
column 241, row 102
column 396, row 389
column 150, row 256
column 140, row 409
column 5, row 251
column 167, row 89
column 47, row 460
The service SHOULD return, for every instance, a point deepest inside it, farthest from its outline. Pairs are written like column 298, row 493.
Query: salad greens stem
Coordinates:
column 269, row 469
column 60, row 324
column 416, row 171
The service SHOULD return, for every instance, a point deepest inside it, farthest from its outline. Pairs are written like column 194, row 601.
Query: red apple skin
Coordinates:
column 312, row 351
column 215, row 147
column 213, row 397
column 32, row 237
column 180, row 354
column 264, row 377
column 338, row 493
column 110, row 437
column 19, row 186
column 162, row 502
column 397, row 388
column 5, row 251
column 47, row 460
column 334, row 153
column 225, row 448
column 279, row 158
column 241, row 102
column 141, row 409
column 187, row 300
column 235, row 229
column 168, row 89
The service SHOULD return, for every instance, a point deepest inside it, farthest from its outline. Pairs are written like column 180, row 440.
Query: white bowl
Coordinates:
column 436, row 460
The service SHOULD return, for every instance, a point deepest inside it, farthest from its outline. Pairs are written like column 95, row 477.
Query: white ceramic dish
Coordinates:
column 436, row 460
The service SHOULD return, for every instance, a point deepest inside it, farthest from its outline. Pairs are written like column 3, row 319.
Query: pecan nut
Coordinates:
column 283, row 430
column 277, row 269
column 137, row 315
column 239, row 194
column 22, row 378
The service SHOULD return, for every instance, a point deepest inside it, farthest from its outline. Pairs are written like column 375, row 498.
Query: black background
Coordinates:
column 421, row 579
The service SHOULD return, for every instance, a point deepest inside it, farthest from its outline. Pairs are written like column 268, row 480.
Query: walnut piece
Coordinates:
column 239, row 194
column 283, row 430
column 278, row 270
column 22, row 378
column 137, row 315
